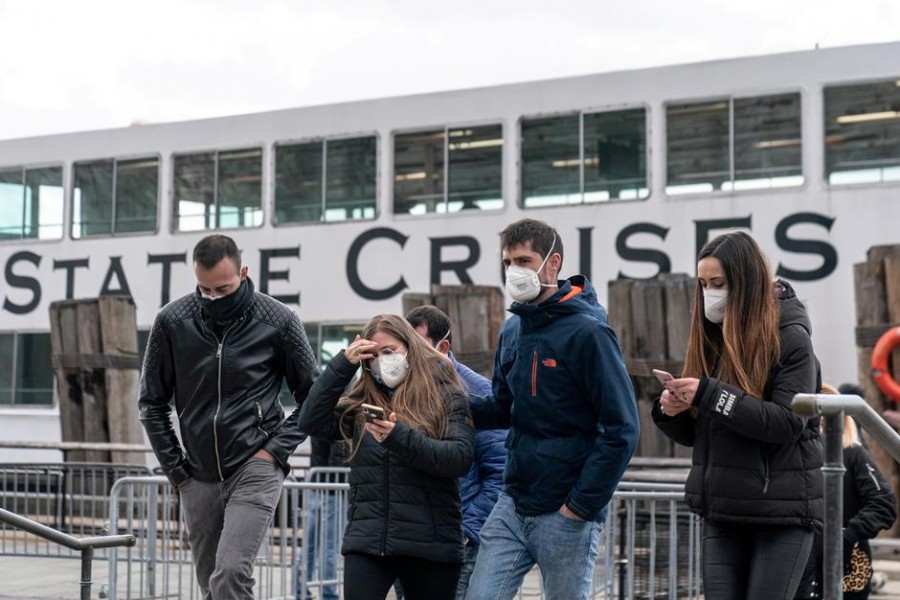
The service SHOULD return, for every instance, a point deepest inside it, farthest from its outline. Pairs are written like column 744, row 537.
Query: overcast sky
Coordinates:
column 88, row 64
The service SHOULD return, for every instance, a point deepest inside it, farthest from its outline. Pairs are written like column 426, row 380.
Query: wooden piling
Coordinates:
column 96, row 362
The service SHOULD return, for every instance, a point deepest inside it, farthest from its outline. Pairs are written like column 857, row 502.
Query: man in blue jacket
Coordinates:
column 481, row 485
column 561, row 387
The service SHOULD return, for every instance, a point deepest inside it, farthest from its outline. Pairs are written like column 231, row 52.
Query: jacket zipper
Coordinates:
column 221, row 344
column 766, row 471
column 259, row 419
column 534, row 363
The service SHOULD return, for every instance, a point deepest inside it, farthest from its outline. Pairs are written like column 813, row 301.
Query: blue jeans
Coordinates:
column 322, row 542
column 512, row 543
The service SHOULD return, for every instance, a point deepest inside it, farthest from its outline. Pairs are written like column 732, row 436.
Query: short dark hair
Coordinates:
column 437, row 323
column 213, row 248
column 542, row 237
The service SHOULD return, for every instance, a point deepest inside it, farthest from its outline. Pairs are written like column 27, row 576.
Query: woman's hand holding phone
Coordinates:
column 678, row 395
column 379, row 428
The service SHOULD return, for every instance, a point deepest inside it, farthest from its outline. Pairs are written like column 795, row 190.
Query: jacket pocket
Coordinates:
column 566, row 450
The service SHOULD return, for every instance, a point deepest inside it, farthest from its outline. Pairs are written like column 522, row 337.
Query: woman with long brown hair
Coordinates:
column 755, row 476
column 407, row 420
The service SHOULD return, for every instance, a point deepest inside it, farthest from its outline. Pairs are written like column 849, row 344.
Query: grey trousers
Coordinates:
column 226, row 523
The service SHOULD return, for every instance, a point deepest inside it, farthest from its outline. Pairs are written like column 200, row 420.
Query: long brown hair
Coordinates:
column 743, row 350
column 418, row 400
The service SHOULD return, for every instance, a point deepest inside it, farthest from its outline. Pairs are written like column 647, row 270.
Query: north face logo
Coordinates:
column 549, row 362
column 725, row 403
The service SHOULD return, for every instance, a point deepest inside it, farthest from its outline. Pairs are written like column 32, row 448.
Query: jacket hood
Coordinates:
column 792, row 310
column 559, row 304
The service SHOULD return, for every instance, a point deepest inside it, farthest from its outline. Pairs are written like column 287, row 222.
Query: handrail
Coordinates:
column 84, row 545
column 833, row 407
column 810, row 405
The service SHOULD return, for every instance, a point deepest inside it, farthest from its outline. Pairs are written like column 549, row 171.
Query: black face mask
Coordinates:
column 230, row 307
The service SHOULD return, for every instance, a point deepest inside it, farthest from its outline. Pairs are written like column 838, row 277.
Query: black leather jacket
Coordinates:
column 225, row 387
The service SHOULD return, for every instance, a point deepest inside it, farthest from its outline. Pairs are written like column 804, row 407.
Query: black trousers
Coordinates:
column 368, row 577
column 753, row 562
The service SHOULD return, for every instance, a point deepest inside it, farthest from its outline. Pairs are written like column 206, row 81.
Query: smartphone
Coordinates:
column 664, row 377
column 373, row 412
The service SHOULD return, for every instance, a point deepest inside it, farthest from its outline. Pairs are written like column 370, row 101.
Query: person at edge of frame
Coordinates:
column 221, row 353
column 869, row 507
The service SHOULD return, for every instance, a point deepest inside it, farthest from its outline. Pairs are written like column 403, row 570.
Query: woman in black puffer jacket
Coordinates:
column 404, row 518
column 869, row 507
column 755, row 476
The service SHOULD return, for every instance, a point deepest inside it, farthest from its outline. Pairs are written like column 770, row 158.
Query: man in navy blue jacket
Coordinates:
column 481, row 485
column 561, row 387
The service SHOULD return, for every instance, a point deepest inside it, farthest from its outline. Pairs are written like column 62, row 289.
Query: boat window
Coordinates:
column 326, row 180
column 862, row 133
column 31, row 203
column 111, row 196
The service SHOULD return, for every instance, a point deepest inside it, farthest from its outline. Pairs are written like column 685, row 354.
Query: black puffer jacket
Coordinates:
column 869, row 507
column 755, row 461
column 404, row 493
column 226, row 394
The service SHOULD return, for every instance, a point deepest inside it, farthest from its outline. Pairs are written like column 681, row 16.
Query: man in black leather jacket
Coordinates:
column 221, row 354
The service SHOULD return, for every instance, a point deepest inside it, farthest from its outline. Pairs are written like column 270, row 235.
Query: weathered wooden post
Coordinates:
column 476, row 314
column 97, row 364
column 652, row 318
column 877, row 291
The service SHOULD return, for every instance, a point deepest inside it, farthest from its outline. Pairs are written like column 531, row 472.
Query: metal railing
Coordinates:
column 833, row 407
column 72, row 498
column 85, row 546
column 650, row 547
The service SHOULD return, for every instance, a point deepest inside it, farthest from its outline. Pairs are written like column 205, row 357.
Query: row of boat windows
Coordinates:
column 26, row 375
column 729, row 144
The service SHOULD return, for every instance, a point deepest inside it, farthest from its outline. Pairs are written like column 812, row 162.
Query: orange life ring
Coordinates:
column 880, row 356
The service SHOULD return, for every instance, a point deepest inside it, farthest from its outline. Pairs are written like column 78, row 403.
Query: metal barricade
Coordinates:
column 650, row 545
column 72, row 498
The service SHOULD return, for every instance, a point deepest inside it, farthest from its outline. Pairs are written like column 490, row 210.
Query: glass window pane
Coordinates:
column 137, row 194
column 194, row 194
column 34, row 375
column 7, row 352
column 335, row 338
column 551, row 156
column 615, row 155
column 862, row 132
column 92, row 198
column 12, row 204
column 298, row 183
column 43, row 203
column 351, row 167
column 476, row 168
column 767, row 150
column 240, row 188
column 698, row 147
column 418, row 172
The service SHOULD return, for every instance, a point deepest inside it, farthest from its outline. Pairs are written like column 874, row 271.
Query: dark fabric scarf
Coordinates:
column 218, row 314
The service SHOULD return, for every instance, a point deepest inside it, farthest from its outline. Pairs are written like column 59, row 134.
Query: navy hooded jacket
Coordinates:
column 561, row 387
column 481, row 486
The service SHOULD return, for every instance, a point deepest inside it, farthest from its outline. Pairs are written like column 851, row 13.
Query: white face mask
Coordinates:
column 714, row 304
column 522, row 283
column 393, row 368
column 210, row 298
